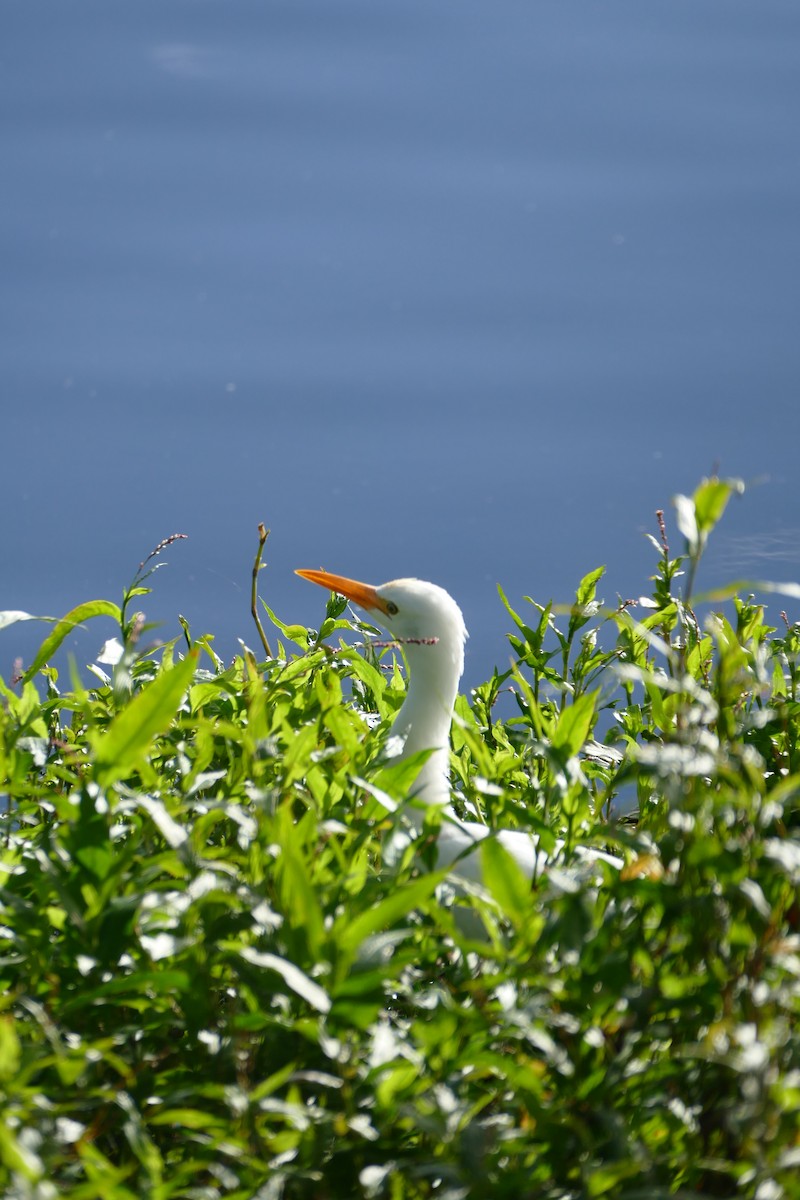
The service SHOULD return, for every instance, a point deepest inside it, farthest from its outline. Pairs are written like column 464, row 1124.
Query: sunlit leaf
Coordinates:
column 350, row 933
column 574, row 724
column 119, row 749
column 292, row 976
column 67, row 624
column 10, row 617
column 9, row 1048
column 711, row 498
column 505, row 881
column 174, row 834
column 296, row 633
column 686, row 517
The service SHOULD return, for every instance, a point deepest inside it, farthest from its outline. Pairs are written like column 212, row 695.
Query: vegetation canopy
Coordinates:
column 224, row 974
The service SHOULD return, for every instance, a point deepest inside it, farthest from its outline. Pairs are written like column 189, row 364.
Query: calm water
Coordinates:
column 459, row 290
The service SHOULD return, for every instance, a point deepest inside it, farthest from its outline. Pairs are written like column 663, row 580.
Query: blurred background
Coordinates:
column 457, row 290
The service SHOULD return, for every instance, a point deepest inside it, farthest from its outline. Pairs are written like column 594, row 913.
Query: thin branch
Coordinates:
column 263, row 534
column 396, row 643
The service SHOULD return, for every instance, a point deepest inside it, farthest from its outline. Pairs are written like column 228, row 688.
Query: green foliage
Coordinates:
column 226, row 972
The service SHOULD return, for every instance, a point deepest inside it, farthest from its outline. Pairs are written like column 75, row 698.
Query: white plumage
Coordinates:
column 428, row 623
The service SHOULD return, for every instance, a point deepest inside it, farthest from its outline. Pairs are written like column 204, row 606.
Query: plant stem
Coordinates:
column 263, row 534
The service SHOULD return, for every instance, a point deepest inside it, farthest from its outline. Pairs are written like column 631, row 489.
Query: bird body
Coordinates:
column 428, row 623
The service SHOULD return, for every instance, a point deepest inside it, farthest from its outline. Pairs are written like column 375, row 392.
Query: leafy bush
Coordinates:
column 215, row 985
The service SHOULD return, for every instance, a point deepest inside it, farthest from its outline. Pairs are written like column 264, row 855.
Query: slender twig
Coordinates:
column 396, row 643
column 263, row 534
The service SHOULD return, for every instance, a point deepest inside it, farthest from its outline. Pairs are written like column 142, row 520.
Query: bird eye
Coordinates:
column 391, row 608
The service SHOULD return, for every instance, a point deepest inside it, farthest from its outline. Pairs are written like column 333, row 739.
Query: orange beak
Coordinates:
column 360, row 593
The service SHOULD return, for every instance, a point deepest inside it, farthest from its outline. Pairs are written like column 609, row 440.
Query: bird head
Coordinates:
column 415, row 612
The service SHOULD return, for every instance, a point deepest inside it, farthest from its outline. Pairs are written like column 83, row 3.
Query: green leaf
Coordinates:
column 371, row 677
column 533, row 637
column 711, row 499
column 9, row 1049
column 10, row 617
column 188, row 1118
column 138, row 987
column 508, row 885
column 292, row 976
column 296, row 633
column 396, row 779
column 587, row 588
column 83, row 612
column 21, row 1160
column 574, row 724
column 686, row 517
column 173, row 833
column 585, row 606
column 608, row 1178
column 121, row 748
column 697, row 515
column 515, row 617
column 299, row 898
column 350, row 932
column 99, row 860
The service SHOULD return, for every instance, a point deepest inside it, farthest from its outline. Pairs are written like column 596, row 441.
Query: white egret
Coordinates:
column 429, row 625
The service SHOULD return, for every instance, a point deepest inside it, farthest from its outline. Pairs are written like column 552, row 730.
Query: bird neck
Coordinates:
column 424, row 720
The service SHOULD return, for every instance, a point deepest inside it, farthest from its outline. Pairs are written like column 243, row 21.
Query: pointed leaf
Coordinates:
column 83, row 612
column 587, row 587
column 502, row 876
column 299, row 897
column 530, row 635
column 686, row 518
column 296, row 633
column 11, row 616
column 711, row 499
column 397, row 777
column 173, row 833
column 585, row 606
column 122, row 746
column 403, row 900
column 292, row 976
column 574, row 724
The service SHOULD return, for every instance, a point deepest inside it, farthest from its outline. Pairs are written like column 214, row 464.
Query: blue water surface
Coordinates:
column 458, row 290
